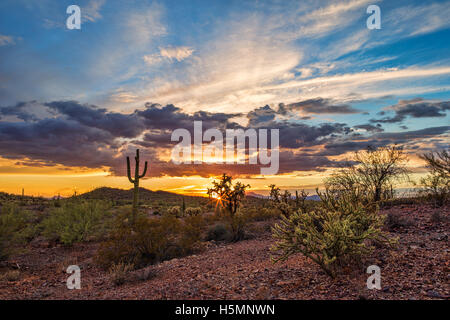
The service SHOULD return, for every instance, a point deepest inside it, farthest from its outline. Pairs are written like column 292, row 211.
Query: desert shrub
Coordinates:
column 285, row 203
column 371, row 174
column 77, row 221
column 217, row 232
column 174, row 211
column 150, row 241
column 118, row 273
column 236, row 224
column 190, row 235
column 11, row 275
column 331, row 239
column 193, row 211
column 17, row 226
column 436, row 186
column 436, row 189
column 262, row 214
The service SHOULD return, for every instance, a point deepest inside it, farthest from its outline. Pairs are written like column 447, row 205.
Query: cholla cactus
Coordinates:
column 329, row 238
column 174, row 211
column 193, row 211
column 135, row 181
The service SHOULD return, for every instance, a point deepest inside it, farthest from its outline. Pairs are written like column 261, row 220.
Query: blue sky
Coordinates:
column 103, row 63
column 233, row 57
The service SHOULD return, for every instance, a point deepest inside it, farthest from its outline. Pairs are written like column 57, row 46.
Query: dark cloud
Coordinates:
column 296, row 135
column 415, row 108
column 261, row 116
column 318, row 106
column 118, row 124
column 73, row 134
column 170, row 117
column 369, row 127
column 382, row 139
column 59, row 141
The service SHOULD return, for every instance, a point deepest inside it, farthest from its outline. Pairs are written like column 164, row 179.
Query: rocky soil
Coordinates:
column 417, row 269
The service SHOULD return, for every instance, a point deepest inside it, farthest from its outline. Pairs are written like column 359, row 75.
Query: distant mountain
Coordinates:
column 122, row 194
column 314, row 197
column 256, row 195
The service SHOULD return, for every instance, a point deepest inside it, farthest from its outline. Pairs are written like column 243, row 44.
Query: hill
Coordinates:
column 148, row 197
column 123, row 194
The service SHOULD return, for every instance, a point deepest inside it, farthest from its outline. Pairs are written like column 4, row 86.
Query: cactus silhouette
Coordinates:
column 135, row 181
column 183, row 207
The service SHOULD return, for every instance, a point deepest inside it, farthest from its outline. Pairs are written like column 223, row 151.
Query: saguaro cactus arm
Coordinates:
column 145, row 170
column 129, row 170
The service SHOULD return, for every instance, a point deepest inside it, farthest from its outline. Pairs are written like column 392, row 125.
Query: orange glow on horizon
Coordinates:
column 50, row 181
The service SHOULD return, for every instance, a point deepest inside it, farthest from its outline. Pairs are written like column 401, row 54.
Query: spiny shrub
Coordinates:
column 174, row 211
column 191, row 211
column 329, row 238
column 17, row 226
column 77, row 221
column 118, row 272
column 436, row 186
column 150, row 241
column 217, row 232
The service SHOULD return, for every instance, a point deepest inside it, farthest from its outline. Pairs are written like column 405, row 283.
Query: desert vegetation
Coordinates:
column 139, row 239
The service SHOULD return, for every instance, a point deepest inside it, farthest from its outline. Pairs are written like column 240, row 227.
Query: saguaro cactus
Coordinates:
column 135, row 181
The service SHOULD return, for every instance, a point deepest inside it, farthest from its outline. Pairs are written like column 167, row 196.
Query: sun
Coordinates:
column 215, row 196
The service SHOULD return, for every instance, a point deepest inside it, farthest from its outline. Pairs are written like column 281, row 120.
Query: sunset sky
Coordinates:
column 75, row 103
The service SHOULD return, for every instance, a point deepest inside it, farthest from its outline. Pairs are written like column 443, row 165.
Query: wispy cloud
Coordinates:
column 91, row 12
column 415, row 20
column 6, row 40
column 168, row 54
column 143, row 26
column 329, row 18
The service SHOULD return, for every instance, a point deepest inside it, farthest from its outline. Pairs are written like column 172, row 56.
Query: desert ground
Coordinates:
column 417, row 269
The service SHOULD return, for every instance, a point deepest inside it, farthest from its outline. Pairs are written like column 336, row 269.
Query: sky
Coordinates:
column 75, row 103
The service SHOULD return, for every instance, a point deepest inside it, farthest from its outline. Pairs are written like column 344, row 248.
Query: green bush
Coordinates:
column 150, row 241
column 17, row 226
column 76, row 221
column 329, row 238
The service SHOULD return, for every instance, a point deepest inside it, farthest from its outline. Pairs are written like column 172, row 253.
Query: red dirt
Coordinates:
column 417, row 269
